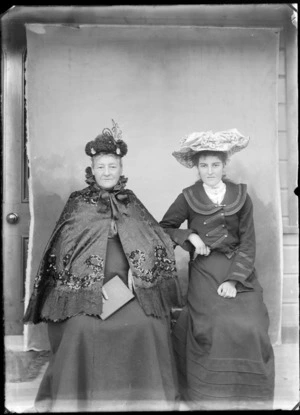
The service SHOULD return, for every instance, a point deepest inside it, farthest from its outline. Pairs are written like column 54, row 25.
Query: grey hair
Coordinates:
column 107, row 154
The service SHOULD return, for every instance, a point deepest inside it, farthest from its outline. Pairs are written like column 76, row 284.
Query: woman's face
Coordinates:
column 210, row 169
column 107, row 170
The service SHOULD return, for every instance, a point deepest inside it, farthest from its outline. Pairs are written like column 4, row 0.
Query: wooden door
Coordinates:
column 15, row 209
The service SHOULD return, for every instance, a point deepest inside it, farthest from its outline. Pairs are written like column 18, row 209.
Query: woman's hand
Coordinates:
column 227, row 289
column 200, row 247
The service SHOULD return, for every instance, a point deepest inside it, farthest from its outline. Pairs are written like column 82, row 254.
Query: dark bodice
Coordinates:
column 116, row 262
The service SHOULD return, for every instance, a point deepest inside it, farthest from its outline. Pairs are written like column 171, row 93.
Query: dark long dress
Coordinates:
column 122, row 363
column 222, row 348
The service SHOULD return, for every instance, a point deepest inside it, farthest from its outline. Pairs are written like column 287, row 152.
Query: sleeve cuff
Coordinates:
column 181, row 238
column 242, row 285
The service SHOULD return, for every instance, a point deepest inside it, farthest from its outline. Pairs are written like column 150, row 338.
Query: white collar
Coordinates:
column 215, row 193
column 219, row 186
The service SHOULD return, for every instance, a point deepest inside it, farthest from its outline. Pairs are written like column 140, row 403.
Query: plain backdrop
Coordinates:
column 158, row 83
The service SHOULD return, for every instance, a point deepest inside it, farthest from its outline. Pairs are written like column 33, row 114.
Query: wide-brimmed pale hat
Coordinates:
column 229, row 141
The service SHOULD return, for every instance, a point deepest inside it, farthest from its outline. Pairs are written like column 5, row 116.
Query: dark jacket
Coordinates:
column 226, row 228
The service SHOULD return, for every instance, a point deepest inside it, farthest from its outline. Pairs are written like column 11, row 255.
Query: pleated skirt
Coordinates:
column 124, row 363
column 223, row 353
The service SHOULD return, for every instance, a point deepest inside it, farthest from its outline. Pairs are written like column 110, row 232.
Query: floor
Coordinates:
column 19, row 397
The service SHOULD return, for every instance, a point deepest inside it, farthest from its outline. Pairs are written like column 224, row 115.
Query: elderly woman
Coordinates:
column 224, row 355
column 102, row 360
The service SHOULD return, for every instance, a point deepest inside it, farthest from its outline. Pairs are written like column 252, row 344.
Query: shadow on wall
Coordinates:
column 54, row 178
column 47, row 210
column 265, row 197
column 268, row 262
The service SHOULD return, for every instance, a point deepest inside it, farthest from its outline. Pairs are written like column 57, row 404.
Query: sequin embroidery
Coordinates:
column 162, row 264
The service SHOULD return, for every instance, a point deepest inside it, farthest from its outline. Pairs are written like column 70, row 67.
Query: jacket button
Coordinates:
column 204, row 223
column 206, row 234
column 226, row 236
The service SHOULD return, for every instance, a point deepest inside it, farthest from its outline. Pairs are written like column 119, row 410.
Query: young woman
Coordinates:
column 223, row 351
column 124, row 362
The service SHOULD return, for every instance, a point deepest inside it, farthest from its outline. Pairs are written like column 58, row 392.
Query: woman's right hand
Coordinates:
column 200, row 247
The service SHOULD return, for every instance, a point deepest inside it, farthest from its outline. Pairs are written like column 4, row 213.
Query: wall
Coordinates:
column 287, row 170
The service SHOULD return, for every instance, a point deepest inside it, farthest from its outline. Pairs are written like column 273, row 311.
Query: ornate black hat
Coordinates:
column 108, row 142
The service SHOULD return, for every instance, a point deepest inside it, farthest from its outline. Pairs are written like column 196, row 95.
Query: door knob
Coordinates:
column 12, row 218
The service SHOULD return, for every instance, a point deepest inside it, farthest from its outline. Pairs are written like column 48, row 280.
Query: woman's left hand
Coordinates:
column 227, row 289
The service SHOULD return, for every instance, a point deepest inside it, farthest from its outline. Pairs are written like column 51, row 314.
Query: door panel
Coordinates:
column 15, row 186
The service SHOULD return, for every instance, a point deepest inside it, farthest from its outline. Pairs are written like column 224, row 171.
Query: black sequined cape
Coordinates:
column 70, row 277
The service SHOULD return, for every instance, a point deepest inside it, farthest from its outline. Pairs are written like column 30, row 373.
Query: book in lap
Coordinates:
column 117, row 295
